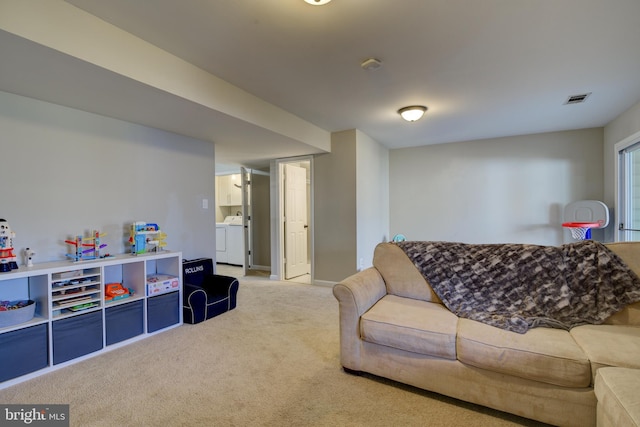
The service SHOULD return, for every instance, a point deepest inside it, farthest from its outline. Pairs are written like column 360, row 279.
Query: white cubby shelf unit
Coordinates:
column 74, row 321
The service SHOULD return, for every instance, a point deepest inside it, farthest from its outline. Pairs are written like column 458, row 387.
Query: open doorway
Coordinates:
column 295, row 226
column 243, row 238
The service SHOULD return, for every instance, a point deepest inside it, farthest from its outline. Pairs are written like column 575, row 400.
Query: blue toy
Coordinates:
column 145, row 237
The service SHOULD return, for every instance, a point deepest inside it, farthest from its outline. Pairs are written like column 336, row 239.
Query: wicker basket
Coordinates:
column 19, row 315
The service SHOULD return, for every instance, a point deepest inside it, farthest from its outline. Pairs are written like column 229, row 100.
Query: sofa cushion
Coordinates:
column 412, row 325
column 400, row 275
column 609, row 345
column 617, row 393
column 542, row 354
column 628, row 251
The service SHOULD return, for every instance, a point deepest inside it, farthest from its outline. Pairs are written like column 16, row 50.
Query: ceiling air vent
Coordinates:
column 577, row 99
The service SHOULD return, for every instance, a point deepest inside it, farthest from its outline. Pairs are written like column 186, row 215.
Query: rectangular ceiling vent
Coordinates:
column 577, row 99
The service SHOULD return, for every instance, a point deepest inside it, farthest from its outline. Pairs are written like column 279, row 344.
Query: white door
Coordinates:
column 295, row 223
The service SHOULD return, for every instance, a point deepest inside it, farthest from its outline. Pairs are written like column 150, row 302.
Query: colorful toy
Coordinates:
column 87, row 245
column 115, row 291
column 14, row 305
column 7, row 257
column 141, row 240
column 83, row 306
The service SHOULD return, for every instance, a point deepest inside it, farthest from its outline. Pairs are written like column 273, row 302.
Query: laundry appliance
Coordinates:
column 230, row 241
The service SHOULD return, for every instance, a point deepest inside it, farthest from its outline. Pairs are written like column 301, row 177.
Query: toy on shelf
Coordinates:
column 87, row 248
column 7, row 257
column 28, row 257
column 146, row 237
column 115, row 291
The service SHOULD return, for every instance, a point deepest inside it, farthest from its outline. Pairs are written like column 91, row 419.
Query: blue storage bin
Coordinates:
column 76, row 336
column 163, row 311
column 124, row 321
column 23, row 351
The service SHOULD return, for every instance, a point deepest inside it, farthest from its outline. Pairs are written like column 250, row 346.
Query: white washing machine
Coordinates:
column 230, row 241
column 221, row 242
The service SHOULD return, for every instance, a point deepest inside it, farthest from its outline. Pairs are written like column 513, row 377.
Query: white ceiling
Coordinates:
column 484, row 68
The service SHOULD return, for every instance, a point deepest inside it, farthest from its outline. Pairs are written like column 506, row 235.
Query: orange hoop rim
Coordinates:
column 581, row 225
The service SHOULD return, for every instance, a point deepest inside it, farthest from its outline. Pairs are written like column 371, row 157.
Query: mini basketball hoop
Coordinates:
column 581, row 216
column 581, row 230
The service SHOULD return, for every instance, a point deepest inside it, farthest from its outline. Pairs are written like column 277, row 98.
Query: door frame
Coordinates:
column 247, row 206
column 277, row 216
column 250, row 217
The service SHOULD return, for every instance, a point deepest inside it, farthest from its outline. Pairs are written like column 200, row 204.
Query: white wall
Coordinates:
column 510, row 189
column 335, row 209
column 351, row 205
column 372, row 194
column 66, row 172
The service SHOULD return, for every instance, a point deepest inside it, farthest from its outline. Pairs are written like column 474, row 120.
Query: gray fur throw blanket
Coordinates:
column 519, row 286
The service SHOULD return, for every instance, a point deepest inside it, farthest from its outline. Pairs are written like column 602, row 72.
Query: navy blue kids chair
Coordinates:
column 206, row 295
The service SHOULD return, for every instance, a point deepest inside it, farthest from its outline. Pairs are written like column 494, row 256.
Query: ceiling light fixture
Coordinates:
column 412, row 113
column 371, row 64
column 317, row 2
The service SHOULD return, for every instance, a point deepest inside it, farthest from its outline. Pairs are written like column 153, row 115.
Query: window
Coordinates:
column 628, row 184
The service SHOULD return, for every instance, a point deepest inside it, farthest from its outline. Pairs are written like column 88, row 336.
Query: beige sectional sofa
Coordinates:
column 617, row 393
column 393, row 325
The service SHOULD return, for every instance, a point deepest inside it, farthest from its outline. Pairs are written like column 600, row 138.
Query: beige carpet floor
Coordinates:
column 274, row 361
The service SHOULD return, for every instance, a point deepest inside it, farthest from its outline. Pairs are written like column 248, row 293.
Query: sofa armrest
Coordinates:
column 360, row 291
column 356, row 295
column 194, row 303
column 188, row 290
